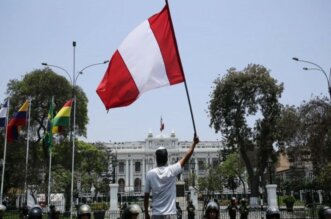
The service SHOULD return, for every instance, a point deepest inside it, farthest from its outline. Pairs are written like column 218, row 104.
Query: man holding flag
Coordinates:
column 161, row 181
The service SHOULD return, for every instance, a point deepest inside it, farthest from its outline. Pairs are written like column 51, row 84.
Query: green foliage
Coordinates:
column 289, row 199
column 306, row 135
column 232, row 170
column 325, row 177
column 99, row 206
column 212, row 182
column 238, row 97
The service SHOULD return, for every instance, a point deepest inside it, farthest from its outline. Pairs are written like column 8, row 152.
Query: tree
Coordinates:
column 233, row 171
column 212, row 182
column 306, row 135
column 243, row 95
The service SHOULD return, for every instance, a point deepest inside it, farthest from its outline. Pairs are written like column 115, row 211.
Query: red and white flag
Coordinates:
column 148, row 58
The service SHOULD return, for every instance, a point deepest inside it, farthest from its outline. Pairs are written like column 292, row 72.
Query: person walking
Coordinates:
column 161, row 182
column 190, row 210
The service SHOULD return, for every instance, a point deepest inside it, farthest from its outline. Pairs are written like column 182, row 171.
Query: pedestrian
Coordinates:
column 35, row 213
column 179, row 211
column 243, row 209
column 161, row 181
column 131, row 212
column 324, row 213
column 84, row 212
column 212, row 210
column 232, row 208
column 190, row 210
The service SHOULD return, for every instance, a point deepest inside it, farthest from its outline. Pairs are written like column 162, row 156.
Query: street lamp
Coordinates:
column 193, row 175
column 319, row 68
column 269, row 163
column 114, row 165
column 73, row 81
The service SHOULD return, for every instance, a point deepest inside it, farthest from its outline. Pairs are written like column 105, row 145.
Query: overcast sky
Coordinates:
column 212, row 35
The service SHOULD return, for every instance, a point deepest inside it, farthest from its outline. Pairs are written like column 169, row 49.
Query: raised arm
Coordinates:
column 189, row 152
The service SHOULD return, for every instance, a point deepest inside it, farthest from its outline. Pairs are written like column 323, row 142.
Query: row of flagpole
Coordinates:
column 7, row 105
column 6, row 126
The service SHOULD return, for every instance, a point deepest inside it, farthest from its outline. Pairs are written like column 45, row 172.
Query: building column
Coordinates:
column 272, row 195
column 131, row 175
column 126, row 173
column 113, row 197
column 143, row 175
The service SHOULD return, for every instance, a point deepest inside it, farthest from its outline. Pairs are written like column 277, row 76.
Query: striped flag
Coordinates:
column 3, row 114
column 48, row 138
column 147, row 59
column 18, row 120
column 62, row 118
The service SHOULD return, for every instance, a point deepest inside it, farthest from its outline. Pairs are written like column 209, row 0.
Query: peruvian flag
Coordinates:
column 148, row 58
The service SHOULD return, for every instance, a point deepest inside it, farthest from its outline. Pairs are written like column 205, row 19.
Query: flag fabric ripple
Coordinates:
column 62, row 118
column 148, row 58
column 19, row 119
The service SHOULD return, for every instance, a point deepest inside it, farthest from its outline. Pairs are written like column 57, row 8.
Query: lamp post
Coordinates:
column 193, row 175
column 114, row 165
column 73, row 81
column 269, row 163
column 318, row 68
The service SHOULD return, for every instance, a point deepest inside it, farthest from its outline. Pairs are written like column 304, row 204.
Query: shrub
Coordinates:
column 289, row 199
column 99, row 206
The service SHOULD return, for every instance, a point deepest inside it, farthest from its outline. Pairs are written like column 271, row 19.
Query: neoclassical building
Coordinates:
column 134, row 159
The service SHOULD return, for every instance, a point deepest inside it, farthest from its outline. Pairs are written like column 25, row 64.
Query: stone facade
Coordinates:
column 134, row 159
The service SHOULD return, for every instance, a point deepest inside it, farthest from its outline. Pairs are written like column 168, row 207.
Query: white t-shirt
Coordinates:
column 161, row 181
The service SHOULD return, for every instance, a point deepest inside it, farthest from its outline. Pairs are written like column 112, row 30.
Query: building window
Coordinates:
column 121, row 185
column 137, row 185
column 121, row 167
column 137, row 166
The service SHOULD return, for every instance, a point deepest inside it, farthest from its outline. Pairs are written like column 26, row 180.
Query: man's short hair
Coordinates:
column 161, row 156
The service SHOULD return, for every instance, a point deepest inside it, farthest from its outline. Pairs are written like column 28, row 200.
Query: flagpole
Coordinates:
column 27, row 153
column 4, row 152
column 181, row 66
column 49, row 177
column 73, row 132
column 50, row 142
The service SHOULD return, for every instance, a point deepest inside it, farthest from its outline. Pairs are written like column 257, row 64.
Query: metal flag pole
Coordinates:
column 4, row 151
column 49, row 178
column 73, row 134
column 50, row 153
column 27, row 152
column 181, row 66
